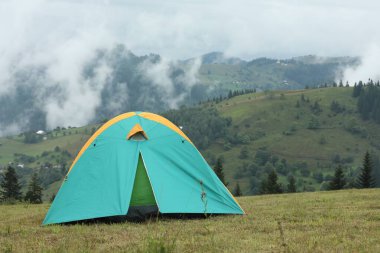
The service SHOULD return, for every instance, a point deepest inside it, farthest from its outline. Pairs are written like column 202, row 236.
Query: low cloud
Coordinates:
column 81, row 98
column 367, row 69
column 60, row 38
column 57, row 49
column 174, row 86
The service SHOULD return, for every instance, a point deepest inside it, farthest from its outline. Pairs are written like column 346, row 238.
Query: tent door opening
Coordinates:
column 143, row 202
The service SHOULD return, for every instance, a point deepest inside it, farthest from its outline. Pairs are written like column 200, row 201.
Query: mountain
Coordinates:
column 115, row 80
column 217, row 58
column 268, row 74
column 313, row 59
column 304, row 133
column 111, row 82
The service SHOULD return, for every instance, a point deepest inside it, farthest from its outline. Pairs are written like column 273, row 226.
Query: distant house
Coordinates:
column 40, row 132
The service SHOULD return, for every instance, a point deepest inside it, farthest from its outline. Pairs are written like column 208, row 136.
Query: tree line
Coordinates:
column 368, row 95
column 202, row 125
column 230, row 94
column 271, row 185
column 365, row 179
column 10, row 188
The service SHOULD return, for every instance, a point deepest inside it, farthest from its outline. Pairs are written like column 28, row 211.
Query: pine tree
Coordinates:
column 292, row 184
column 365, row 179
column 357, row 89
column 218, row 169
column 237, row 191
column 10, row 187
column 34, row 194
column 338, row 181
column 270, row 184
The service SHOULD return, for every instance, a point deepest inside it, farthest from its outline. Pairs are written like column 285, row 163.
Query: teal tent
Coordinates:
column 138, row 164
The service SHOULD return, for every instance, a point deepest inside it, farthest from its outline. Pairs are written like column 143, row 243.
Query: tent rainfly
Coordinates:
column 139, row 164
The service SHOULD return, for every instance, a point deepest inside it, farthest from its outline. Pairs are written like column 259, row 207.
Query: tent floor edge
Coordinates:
column 141, row 213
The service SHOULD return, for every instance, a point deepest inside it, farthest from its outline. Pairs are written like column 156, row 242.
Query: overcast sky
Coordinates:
column 63, row 35
column 182, row 29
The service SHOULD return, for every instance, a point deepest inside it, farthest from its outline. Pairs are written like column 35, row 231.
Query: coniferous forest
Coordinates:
column 368, row 100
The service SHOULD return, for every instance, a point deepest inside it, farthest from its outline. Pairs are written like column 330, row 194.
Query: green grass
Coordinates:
column 337, row 221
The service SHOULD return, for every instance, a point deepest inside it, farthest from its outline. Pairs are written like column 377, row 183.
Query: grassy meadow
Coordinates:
column 335, row 221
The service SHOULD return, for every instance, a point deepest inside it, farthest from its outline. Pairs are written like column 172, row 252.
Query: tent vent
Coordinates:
column 137, row 134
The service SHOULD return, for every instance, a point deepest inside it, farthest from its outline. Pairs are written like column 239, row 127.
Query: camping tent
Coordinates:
column 136, row 164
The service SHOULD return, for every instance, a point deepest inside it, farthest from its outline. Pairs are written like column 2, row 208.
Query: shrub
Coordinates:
column 309, row 188
column 305, row 172
column 227, row 146
column 313, row 123
column 243, row 153
column 324, row 186
column 262, row 156
column 318, row 176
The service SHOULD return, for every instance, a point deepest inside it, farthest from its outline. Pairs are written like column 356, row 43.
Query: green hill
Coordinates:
column 304, row 133
column 336, row 221
column 300, row 127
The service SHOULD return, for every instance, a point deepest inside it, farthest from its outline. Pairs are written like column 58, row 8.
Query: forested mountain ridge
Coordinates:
column 231, row 73
column 117, row 80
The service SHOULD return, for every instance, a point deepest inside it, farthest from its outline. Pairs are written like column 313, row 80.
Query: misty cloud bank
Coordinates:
column 74, row 91
column 60, row 63
column 368, row 69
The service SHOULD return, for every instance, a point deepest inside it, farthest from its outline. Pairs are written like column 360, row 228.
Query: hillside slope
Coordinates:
column 297, row 133
column 339, row 221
